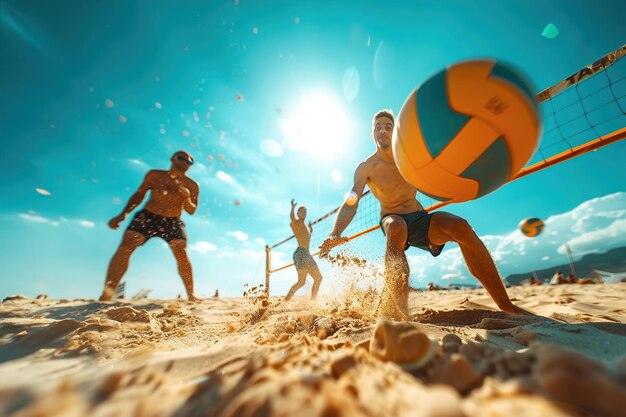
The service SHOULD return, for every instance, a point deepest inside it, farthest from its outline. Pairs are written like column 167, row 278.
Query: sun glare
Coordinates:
column 318, row 126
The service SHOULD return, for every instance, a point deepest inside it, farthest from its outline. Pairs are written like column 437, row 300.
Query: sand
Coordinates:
column 458, row 356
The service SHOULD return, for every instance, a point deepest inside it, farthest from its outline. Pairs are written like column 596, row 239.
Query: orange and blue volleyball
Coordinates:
column 466, row 131
column 531, row 226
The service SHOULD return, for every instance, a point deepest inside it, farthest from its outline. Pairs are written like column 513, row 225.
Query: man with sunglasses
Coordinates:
column 171, row 192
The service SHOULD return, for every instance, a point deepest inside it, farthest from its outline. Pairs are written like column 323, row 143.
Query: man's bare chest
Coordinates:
column 300, row 229
column 166, row 184
column 386, row 179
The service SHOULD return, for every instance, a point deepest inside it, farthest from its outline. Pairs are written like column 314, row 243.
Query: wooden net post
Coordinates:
column 268, row 268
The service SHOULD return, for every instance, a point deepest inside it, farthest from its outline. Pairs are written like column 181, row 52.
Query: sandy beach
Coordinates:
column 251, row 356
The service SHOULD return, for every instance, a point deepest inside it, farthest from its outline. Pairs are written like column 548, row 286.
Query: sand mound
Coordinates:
column 264, row 357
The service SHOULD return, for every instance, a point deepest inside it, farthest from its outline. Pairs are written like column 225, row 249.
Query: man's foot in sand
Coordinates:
column 392, row 314
column 107, row 295
column 516, row 311
column 389, row 309
column 298, row 301
column 194, row 299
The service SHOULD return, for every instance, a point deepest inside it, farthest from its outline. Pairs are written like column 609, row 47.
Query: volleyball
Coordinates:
column 531, row 226
column 466, row 131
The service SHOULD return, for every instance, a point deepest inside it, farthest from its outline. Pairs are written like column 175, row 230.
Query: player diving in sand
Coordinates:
column 405, row 223
column 172, row 191
column 302, row 259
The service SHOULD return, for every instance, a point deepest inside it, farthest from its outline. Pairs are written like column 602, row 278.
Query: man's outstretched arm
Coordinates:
column 133, row 201
column 292, row 215
column 344, row 218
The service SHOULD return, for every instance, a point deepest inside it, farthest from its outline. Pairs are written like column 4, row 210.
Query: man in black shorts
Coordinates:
column 405, row 223
column 171, row 192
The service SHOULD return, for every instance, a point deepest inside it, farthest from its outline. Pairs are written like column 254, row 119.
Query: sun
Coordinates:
column 318, row 126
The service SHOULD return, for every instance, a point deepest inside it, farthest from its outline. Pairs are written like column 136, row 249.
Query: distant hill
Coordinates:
column 611, row 261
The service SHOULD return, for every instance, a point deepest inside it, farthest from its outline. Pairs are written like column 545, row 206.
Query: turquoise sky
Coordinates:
column 93, row 94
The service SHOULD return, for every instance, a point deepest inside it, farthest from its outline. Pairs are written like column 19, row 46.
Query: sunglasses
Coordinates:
column 183, row 159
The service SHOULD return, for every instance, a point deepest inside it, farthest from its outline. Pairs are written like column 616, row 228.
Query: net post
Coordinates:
column 268, row 268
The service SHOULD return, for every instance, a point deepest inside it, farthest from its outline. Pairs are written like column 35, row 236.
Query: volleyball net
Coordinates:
column 583, row 112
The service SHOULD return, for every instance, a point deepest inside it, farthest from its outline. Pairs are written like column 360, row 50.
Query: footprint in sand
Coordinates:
column 496, row 324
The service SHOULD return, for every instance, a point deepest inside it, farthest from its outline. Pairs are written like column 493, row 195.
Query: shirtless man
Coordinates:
column 171, row 192
column 405, row 223
column 302, row 259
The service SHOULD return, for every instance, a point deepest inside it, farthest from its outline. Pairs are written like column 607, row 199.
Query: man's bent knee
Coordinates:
column 462, row 230
column 395, row 229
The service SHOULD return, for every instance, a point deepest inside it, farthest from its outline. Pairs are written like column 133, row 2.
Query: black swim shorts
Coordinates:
column 151, row 225
column 417, row 225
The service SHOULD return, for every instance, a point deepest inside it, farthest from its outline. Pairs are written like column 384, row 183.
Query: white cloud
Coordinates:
column 199, row 166
column 612, row 235
column 32, row 217
column 450, row 276
column 137, row 163
column 596, row 225
column 202, row 247
column 260, row 240
column 86, row 224
column 225, row 177
column 239, row 235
